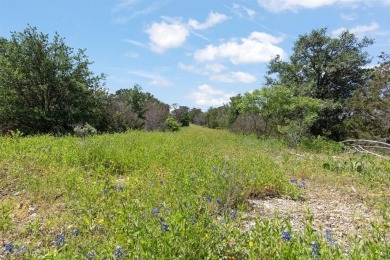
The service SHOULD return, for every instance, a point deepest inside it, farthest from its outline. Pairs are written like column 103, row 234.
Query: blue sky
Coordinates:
column 194, row 53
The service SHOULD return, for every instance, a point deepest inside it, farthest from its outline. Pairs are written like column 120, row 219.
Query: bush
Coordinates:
column 84, row 130
column 172, row 124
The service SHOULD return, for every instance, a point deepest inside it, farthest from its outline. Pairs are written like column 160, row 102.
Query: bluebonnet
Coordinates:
column 60, row 239
column 233, row 213
column 20, row 249
column 219, row 201
column 286, row 236
column 75, row 232
column 118, row 253
column 329, row 237
column 293, row 180
column 91, row 254
column 208, row 199
column 164, row 226
column 328, row 234
column 9, row 248
column 302, row 185
column 192, row 219
column 155, row 211
column 315, row 247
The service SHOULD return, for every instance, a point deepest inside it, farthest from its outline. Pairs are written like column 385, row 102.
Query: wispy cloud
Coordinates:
column 362, row 30
column 137, row 8
column 156, row 80
column 294, row 5
column 136, row 43
column 242, row 11
column 234, row 77
column 212, row 19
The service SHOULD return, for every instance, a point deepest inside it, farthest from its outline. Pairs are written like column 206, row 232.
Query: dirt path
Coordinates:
column 344, row 214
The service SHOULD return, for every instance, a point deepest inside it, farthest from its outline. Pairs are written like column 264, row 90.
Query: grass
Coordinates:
column 180, row 195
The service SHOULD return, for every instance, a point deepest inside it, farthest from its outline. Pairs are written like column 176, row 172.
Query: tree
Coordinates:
column 197, row 116
column 181, row 114
column 280, row 111
column 370, row 105
column 156, row 115
column 45, row 86
column 325, row 68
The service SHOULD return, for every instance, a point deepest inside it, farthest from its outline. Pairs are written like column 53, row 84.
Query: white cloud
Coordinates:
column 156, row 80
column 190, row 68
column 242, row 11
column 361, row 30
column 205, row 95
column 164, row 36
column 215, row 67
column 131, row 54
column 293, row 5
column 258, row 47
column 233, row 77
column 137, row 43
column 349, row 17
column 212, row 19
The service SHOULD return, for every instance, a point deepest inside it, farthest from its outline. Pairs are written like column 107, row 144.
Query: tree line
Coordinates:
column 324, row 89
column 48, row 87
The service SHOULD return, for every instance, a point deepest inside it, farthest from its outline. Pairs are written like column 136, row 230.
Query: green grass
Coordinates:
column 110, row 187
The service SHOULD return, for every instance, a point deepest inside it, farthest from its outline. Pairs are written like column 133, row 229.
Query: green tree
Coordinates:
column 281, row 111
column 326, row 68
column 181, row 114
column 45, row 86
column 370, row 105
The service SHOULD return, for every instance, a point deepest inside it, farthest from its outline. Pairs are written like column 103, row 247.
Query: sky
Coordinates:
column 195, row 53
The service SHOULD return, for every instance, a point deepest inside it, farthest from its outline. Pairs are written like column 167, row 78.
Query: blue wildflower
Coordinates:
column 208, row 199
column 60, row 239
column 219, row 201
column 91, row 255
column 20, row 249
column 155, row 211
column 315, row 247
column 293, row 180
column 302, row 185
column 233, row 213
column 118, row 253
column 75, row 232
column 164, row 226
column 328, row 234
column 9, row 248
column 286, row 236
column 192, row 219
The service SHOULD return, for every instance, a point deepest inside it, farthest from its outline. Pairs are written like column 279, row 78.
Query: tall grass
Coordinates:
column 144, row 195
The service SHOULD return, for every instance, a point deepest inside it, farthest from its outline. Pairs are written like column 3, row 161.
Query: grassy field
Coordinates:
column 184, row 195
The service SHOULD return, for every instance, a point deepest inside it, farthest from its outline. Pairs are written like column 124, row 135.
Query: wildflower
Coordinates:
column 118, row 253
column 75, row 232
column 302, row 185
column 286, row 236
column 328, row 234
column 9, row 248
column 315, row 247
column 60, row 239
column 20, row 249
column 293, row 180
column 233, row 213
column 219, row 201
column 192, row 219
column 208, row 199
column 164, row 226
column 91, row 254
column 251, row 243
column 155, row 211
